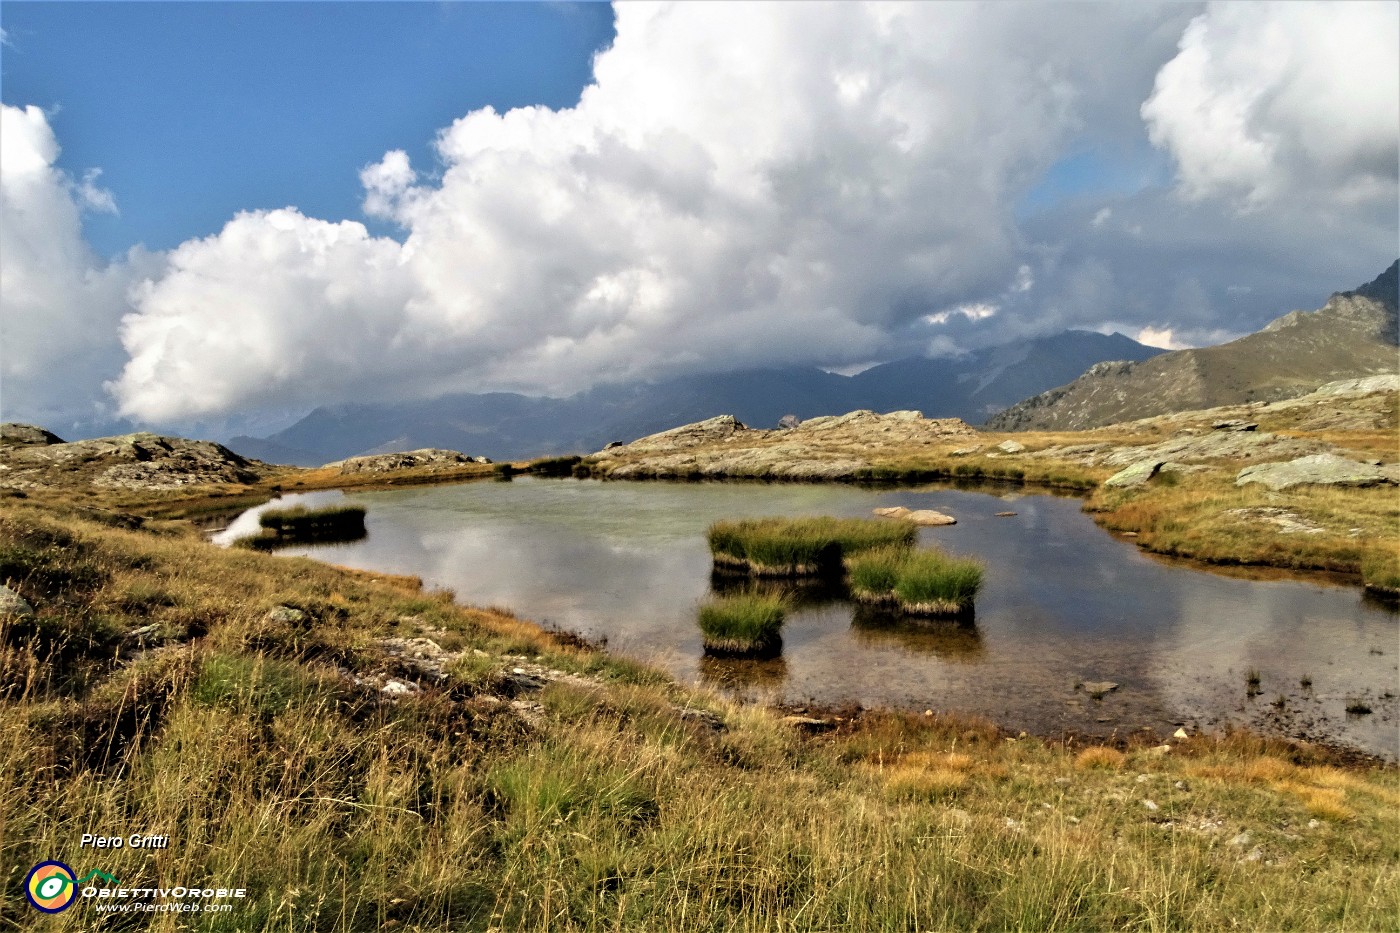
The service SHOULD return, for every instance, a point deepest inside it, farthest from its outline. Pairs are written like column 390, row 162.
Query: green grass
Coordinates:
column 872, row 575
column 801, row 546
column 926, row 582
column 302, row 522
column 597, row 805
column 743, row 624
column 1381, row 572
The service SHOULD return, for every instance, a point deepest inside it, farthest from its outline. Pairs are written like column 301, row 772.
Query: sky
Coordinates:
column 215, row 217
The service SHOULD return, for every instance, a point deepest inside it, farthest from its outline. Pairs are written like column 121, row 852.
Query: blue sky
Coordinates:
column 194, row 111
column 340, row 201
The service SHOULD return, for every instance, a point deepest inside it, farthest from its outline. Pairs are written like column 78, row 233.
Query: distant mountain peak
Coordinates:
column 502, row 426
column 1352, row 336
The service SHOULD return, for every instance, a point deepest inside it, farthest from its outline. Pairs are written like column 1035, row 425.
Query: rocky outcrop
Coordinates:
column 719, row 428
column 131, row 461
column 827, row 448
column 408, row 460
column 1352, row 336
column 24, row 435
column 1317, row 470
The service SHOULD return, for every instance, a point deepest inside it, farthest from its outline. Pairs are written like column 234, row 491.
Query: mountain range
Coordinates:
column 504, row 425
column 1353, row 335
column 1069, row 381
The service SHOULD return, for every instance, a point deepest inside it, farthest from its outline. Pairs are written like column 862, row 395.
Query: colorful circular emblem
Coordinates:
column 51, row 887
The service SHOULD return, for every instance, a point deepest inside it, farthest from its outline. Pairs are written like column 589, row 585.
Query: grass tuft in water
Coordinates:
column 926, row 582
column 300, row 525
column 801, row 546
column 743, row 624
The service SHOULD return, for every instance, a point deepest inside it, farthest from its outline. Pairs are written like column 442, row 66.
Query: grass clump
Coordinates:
column 873, row 574
column 743, row 624
column 1381, row 572
column 554, row 466
column 916, row 582
column 790, row 547
column 300, row 525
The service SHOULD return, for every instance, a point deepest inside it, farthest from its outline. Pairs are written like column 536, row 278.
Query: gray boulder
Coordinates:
column 1319, row 469
column 930, row 517
column 1135, row 475
column 927, row 517
column 13, row 604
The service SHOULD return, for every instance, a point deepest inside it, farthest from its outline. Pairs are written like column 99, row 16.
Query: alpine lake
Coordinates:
column 1063, row 603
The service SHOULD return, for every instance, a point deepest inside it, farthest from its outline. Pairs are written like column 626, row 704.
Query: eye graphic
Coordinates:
column 50, row 887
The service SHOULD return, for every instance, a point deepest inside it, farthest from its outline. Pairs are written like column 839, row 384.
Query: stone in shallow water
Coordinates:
column 1097, row 688
column 930, row 517
column 917, row 516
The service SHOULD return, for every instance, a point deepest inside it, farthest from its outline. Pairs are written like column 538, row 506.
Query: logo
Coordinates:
column 51, row 887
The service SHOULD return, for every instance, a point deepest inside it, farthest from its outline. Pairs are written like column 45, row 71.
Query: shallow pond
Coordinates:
column 1063, row 602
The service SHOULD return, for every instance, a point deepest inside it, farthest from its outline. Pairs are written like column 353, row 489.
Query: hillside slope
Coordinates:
column 1353, row 335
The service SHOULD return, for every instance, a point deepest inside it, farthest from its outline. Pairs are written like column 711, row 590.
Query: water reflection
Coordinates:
column 743, row 674
column 799, row 592
column 949, row 639
column 1062, row 601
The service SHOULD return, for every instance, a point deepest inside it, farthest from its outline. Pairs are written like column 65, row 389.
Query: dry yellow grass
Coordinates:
column 1109, row 759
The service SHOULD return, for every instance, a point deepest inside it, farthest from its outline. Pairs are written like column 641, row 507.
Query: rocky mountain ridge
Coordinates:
column 1353, row 335
column 511, row 426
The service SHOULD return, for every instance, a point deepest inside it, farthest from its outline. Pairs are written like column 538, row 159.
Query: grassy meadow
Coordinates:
column 237, row 702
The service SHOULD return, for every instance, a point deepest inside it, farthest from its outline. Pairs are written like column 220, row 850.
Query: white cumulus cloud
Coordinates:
column 752, row 185
column 742, row 184
column 60, row 302
column 1272, row 100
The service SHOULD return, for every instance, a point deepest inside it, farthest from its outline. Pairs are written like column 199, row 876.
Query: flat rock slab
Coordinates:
column 808, row 724
column 930, row 517
column 1287, row 522
column 918, row 516
column 1097, row 688
column 1319, row 469
column 1135, row 475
